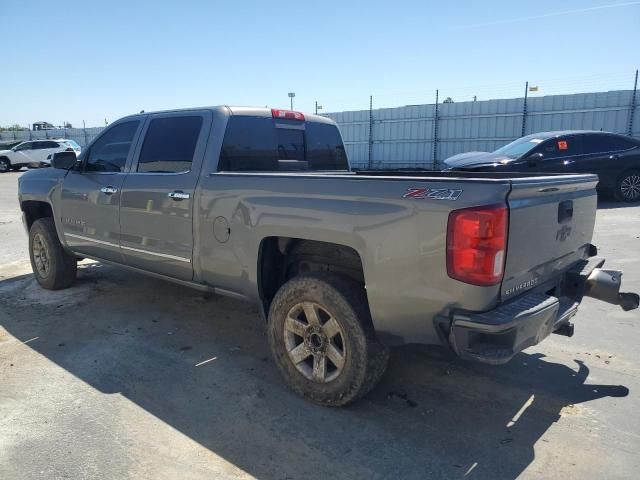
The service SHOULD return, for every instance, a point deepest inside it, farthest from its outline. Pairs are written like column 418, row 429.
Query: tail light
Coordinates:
column 477, row 244
column 288, row 114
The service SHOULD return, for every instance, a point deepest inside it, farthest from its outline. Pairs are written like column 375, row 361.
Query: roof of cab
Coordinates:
column 236, row 111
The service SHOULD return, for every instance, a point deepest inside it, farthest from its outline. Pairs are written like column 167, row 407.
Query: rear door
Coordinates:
column 156, row 206
column 551, row 223
column 48, row 147
column 604, row 155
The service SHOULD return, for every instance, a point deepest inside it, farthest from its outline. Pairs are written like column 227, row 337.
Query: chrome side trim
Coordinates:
column 102, row 242
column 163, row 255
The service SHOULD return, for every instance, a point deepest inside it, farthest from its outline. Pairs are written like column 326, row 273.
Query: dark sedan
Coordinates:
column 615, row 158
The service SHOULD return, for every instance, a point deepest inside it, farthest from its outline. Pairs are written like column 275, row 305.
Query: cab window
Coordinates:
column 262, row 145
column 170, row 144
column 110, row 151
column 560, row 147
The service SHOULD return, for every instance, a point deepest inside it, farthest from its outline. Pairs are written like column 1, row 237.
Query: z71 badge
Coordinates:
column 432, row 193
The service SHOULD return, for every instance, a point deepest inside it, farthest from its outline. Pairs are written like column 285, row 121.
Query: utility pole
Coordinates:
column 370, row 131
column 435, row 133
column 524, row 108
column 633, row 105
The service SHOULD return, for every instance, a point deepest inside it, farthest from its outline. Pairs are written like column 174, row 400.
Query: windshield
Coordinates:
column 71, row 143
column 519, row 147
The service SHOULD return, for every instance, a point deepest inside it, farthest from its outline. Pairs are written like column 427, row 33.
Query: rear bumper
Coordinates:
column 496, row 336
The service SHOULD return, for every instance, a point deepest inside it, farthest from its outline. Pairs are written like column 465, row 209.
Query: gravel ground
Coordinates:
column 124, row 376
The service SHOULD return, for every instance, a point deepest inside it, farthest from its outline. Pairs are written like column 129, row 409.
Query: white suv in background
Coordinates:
column 35, row 153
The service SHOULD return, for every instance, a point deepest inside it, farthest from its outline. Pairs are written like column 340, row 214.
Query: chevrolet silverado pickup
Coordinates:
column 261, row 204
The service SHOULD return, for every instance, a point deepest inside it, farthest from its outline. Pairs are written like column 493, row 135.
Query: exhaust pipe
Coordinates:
column 605, row 285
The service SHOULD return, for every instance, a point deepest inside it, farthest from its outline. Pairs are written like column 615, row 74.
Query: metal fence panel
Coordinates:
column 404, row 136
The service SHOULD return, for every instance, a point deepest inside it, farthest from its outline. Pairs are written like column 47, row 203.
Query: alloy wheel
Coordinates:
column 315, row 342
column 41, row 256
column 630, row 187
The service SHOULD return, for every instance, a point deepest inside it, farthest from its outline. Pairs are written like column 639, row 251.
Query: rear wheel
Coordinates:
column 52, row 266
column 5, row 164
column 322, row 339
column 628, row 187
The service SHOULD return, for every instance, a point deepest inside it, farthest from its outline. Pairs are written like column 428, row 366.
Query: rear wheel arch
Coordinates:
column 282, row 258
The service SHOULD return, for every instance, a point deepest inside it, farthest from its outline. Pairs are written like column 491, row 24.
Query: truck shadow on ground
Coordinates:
column 201, row 365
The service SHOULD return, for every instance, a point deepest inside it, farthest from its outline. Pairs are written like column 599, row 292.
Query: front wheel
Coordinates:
column 5, row 165
column 628, row 187
column 52, row 266
column 322, row 339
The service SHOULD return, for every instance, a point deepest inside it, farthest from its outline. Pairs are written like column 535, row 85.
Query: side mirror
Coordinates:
column 64, row 160
column 534, row 159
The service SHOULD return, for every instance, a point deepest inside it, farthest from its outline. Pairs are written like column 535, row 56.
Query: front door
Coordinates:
column 90, row 196
column 156, row 205
column 22, row 154
column 558, row 153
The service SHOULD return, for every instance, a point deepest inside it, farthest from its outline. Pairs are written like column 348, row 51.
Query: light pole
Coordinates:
column 318, row 107
column 291, row 96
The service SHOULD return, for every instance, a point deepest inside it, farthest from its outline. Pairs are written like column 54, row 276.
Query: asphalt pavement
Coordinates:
column 124, row 376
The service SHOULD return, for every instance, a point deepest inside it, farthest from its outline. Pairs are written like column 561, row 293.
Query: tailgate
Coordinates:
column 551, row 222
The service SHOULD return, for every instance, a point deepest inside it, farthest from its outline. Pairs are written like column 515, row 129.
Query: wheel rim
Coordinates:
column 4, row 166
column 41, row 255
column 315, row 342
column 630, row 187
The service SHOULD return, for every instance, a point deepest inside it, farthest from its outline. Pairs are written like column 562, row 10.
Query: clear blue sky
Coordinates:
column 75, row 60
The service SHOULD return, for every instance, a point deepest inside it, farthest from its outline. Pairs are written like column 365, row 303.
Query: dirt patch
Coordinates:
column 23, row 290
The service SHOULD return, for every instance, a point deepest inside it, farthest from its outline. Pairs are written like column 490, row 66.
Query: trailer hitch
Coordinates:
column 605, row 285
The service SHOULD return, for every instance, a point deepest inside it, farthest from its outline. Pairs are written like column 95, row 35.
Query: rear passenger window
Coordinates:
column 257, row 144
column 109, row 152
column 596, row 144
column 169, row 144
column 325, row 150
column 621, row 143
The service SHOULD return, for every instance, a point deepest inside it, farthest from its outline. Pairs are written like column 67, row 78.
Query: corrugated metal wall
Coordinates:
column 404, row 136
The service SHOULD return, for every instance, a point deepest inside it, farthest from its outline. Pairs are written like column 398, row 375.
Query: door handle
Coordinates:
column 614, row 157
column 178, row 195
column 109, row 190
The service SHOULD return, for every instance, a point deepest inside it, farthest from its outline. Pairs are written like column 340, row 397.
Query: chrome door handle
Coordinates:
column 178, row 195
column 108, row 190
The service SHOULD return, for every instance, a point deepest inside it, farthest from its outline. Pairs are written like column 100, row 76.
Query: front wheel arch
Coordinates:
column 5, row 164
